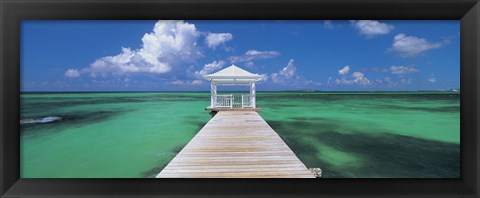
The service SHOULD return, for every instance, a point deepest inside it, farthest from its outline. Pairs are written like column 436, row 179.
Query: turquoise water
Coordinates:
column 348, row 135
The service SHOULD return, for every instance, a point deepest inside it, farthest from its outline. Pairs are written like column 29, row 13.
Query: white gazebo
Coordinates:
column 232, row 76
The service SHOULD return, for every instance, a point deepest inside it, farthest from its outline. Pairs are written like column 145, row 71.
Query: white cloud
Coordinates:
column 251, row 55
column 178, row 82
column 410, row 46
column 358, row 78
column 214, row 39
column 388, row 82
column 286, row 73
column 311, row 82
column 197, row 82
column 371, row 28
column 209, row 68
column 402, row 70
column 288, row 76
column 257, row 53
column 344, row 70
column 169, row 43
column 265, row 78
column 343, row 81
column 186, row 82
column 432, row 79
column 72, row 73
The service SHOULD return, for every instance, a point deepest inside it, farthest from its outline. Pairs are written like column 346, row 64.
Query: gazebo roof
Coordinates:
column 233, row 74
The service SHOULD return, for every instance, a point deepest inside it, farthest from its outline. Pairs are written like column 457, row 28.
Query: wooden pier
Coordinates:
column 236, row 144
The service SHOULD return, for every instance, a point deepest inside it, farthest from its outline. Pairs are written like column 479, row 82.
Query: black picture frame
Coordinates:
column 13, row 11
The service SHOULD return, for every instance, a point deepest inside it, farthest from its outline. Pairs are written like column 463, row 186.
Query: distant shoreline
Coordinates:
column 284, row 91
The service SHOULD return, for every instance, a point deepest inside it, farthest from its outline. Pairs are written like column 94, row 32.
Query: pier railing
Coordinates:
column 233, row 101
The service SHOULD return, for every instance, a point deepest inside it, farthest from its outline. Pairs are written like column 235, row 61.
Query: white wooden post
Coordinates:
column 252, row 95
column 213, row 90
column 212, row 95
column 215, row 94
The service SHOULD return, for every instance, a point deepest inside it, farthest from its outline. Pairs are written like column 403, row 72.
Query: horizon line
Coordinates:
column 449, row 90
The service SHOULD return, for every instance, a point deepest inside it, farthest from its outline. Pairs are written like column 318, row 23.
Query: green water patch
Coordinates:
column 110, row 140
column 430, row 118
column 153, row 172
column 361, row 154
column 397, row 156
column 168, row 156
column 446, row 109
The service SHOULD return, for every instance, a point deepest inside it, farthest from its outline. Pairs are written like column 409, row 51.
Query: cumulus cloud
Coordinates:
column 72, row 73
column 358, row 78
column 214, row 39
column 169, row 43
column 209, row 68
column 371, row 28
column 410, row 46
column 344, row 70
column 286, row 73
column 288, row 76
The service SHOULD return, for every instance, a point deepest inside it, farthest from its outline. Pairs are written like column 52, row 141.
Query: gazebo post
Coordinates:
column 250, row 88
column 213, row 94
column 252, row 94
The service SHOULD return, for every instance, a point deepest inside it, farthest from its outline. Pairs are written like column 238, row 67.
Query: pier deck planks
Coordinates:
column 238, row 144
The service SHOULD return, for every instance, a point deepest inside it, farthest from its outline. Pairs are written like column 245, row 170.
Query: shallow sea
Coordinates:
column 347, row 134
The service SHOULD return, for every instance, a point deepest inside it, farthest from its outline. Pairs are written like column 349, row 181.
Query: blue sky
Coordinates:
column 291, row 55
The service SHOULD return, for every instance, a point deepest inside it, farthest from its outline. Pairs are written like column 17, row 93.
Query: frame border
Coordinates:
column 13, row 11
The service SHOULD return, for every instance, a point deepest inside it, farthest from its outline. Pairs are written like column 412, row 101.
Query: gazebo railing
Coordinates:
column 246, row 101
column 233, row 101
column 224, row 101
